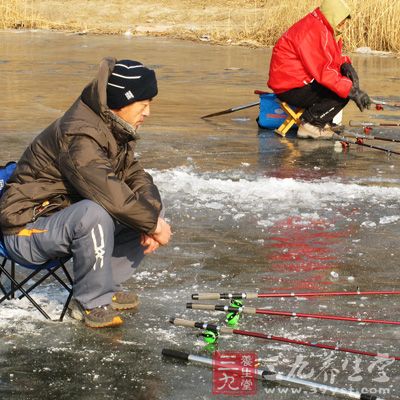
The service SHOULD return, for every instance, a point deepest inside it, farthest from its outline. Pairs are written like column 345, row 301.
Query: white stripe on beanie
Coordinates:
column 119, row 87
column 132, row 66
column 127, row 77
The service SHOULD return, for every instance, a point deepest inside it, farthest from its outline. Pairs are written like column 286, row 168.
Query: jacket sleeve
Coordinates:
column 317, row 53
column 345, row 59
column 140, row 181
column 87, row 168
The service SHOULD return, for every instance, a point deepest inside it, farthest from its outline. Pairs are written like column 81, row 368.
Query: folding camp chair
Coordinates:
column 293, row 117
column 23, row 287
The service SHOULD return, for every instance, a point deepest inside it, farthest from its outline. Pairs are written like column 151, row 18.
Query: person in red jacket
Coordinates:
column 308, row 69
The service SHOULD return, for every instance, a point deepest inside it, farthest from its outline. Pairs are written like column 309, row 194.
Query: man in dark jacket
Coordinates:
column 308, row 69
column 79, row 190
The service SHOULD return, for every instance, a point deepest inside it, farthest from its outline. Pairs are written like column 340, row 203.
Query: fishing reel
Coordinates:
column 209, row 336
column 233, row 317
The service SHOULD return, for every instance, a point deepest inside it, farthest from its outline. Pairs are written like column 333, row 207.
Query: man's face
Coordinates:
column 135, row 113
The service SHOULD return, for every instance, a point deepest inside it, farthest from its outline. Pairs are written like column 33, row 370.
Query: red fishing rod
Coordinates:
column 221, row 329
column 252, row 310
column 360, row 137
column 359, row 142
column 257, row 295
column 368, row 136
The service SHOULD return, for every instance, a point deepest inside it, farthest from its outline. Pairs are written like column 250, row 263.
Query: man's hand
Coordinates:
column 360, row 98
column 150, row 244
column 162, row 234
column 346, row 69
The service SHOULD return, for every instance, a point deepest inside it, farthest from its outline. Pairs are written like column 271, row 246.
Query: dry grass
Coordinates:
column 375, row 23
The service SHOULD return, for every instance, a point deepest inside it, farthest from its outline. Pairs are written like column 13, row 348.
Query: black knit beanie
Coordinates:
column 130, row 81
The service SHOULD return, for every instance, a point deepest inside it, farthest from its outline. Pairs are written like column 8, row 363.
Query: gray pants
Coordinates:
column 104, row 252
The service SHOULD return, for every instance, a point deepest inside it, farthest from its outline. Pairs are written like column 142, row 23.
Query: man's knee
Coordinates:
column 92, row 214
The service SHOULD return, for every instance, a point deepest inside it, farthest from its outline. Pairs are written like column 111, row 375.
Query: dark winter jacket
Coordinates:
column 86, row 154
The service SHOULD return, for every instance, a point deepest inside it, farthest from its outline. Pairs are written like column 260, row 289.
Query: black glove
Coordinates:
column 360, row 98
column 346, row 69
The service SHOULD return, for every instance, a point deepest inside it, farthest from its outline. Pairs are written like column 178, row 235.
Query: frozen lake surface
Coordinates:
column 250, row 211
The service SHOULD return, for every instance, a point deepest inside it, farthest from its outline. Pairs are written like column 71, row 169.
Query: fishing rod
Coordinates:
column 367, row 136
column 257, row 295
column 231, row 110
column 252, row 310
column 367, row 124
column 359, row 142
column 213, row 330
column 268, row 375
column 385, row 103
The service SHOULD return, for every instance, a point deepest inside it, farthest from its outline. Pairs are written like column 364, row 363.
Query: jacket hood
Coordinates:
column 95, row 96
column 335, row 11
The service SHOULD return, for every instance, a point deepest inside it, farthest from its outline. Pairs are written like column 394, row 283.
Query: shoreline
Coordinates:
column 190, row 38
column 256, row 23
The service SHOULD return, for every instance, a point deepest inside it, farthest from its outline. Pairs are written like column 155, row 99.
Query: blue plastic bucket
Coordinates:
column 271, row 114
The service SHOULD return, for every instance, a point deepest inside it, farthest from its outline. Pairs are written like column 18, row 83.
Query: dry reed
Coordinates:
column 375, row 23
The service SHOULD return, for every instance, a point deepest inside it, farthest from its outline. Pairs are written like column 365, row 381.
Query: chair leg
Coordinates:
column 18, row 287
column 65, row 308
column 53, row 272
column 2, row 288
column 293, row 117
column 36, row 284
column 70, row 289
column 12, row 282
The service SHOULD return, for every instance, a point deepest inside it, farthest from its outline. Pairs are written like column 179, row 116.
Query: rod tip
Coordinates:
column 189, row 305
column 195, row 296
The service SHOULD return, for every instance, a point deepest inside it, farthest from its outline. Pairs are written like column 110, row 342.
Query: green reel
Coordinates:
column 232, row 318
column 236, row 303
column 209, row 336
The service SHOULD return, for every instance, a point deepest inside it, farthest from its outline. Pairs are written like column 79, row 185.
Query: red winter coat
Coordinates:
column 308, row 51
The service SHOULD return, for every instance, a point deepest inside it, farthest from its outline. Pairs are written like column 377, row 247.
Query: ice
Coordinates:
column 368, row 224
column 255, row 194
column 368, row 50
column 22, row 310
column 389, row 219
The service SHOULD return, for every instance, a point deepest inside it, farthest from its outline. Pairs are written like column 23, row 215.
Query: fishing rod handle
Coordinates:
column 175, row 354
column 225, row 296
column 206, row 296
column 195, row 306
column 221, row 307
column 183, row 322
column 193, row 324
column 363, row 124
